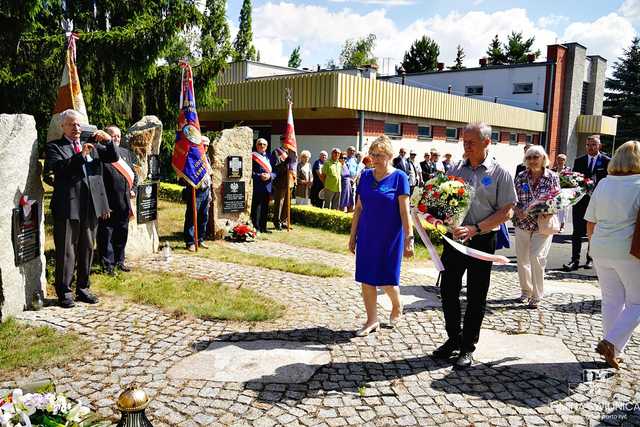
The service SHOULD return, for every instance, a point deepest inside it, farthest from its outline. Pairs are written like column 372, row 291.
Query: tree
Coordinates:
column 295, row 59
column 215, row 39
column 244, row 39
column 517, row 49
column 623, row 92
column 494, row 53
column 358, row 52
column 421, row 56
column 458, row 63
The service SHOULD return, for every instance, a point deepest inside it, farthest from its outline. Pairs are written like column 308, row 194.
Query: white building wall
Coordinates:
column 496, row 82
column 255, row 70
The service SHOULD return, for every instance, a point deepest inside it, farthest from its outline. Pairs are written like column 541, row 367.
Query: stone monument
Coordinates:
column 231, row 180
column 143, row 139
column 22, row 261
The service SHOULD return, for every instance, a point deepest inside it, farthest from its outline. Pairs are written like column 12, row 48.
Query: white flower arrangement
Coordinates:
column 43, row 409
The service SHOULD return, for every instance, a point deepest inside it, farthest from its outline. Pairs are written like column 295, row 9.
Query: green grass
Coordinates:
column 170, row 223
column 29, row 347
column 180, row 295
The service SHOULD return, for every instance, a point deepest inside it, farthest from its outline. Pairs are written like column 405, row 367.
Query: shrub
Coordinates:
column 171, row 192
column 326, row 219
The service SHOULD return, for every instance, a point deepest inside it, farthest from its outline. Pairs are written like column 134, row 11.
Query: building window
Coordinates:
column 529, row 138
column 495, row 137
column 513, row 138
column 424, row 132
column 392, row 129
column 452, row 133
column 473, row 90
column 585, row 97
column 523, row 88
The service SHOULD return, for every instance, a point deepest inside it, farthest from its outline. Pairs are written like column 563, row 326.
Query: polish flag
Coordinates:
column 289, row 140
column 69, row 92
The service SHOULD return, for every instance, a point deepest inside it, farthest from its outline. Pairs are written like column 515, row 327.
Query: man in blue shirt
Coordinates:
column 353, row 165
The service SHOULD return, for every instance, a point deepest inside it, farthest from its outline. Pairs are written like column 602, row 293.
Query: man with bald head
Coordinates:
column 79, row 199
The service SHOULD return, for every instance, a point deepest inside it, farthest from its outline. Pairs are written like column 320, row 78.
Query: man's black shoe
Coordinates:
column 266, row 231
column 109, row 271
column 446, row 350
column 124, row 268
column 572, row 266
column 465, row 360
column 87, row 297
column 67, row 303
column 589, row 264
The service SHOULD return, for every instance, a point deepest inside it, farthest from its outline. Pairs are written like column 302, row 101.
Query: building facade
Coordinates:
column 339, row 108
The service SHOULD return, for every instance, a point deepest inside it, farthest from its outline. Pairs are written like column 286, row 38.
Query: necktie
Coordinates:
column 591, row 161
column 76, row 147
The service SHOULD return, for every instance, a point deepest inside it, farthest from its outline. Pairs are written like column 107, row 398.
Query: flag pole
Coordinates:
column 288, row 171
column 195, row 217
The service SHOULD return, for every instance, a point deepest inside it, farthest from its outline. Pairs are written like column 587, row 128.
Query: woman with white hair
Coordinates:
column 532, row 246
column 304, row 179
column 611, row 218
column 317, row 184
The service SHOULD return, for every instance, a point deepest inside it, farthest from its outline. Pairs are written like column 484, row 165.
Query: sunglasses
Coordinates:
column 377, row 155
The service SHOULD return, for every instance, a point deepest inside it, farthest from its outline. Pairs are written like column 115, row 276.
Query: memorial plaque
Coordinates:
column 153, row 160
column 147, row 202
column 233, row 196
column 25, row 235
column 234, row 167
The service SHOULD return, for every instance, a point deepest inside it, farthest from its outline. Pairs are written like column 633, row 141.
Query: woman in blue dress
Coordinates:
column 381, row 232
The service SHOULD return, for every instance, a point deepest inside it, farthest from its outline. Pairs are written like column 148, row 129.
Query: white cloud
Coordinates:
column 381, row 2
column 630, row 9
column 279, row 27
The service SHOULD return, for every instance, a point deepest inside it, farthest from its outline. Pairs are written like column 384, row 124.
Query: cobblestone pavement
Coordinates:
column 383, row 379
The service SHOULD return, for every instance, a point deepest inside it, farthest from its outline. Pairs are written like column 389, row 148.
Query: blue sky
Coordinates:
column 321, row 26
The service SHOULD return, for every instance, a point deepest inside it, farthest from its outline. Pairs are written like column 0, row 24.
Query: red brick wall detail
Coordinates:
column 373, row 127
column 439, row 132
column 409, row 130
column 504, row 137
column 522, row 138
column 536, row 138
column 555, row 53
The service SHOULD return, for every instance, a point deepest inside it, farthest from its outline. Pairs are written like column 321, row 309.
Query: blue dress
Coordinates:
column 380, row 237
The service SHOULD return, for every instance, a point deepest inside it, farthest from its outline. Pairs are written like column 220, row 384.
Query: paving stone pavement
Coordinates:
column 384, row 379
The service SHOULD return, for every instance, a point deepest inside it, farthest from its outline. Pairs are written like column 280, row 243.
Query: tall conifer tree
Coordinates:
column 243, row 45
column 623, row 92
column 421, row 56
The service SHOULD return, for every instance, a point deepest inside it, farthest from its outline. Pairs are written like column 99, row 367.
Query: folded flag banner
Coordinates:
column 189, row 156
column 289, row 142
column 69, row 92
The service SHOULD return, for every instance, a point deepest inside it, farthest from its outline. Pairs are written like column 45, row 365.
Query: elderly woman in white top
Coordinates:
column 304, row 179
column 611, row 217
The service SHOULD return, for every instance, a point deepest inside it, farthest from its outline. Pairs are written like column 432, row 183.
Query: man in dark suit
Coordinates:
column 263, row 176
column 425, row 167
column 283, row 163
column 79, row 199
column 521, row 167
column 401, row 162
column 120, row 182
column 592, row 165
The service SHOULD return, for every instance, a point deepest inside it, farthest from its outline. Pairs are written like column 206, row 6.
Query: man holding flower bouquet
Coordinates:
column 491, row 206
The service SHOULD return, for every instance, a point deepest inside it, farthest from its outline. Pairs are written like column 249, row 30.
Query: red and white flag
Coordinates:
column 69, row 92
column 289, row 138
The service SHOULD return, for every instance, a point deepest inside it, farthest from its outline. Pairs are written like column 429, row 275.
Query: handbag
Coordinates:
column 635, row 240
column 548, row 225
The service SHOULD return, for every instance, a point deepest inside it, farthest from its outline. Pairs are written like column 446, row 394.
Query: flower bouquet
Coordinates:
column 555, row 202
column 44, row 409
column 242, row 233
column 569, row 179
column 444, row 200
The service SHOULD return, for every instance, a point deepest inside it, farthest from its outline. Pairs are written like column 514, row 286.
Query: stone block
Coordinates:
column 20, row 174
column 143, row 139
column 232, row 142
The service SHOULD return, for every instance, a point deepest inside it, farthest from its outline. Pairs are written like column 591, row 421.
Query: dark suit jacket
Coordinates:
column 520, row 168
column 427, row 168
column 73, row 190
column 402, row 164
column 581, row 164
column 117, row 187
column 260, row 186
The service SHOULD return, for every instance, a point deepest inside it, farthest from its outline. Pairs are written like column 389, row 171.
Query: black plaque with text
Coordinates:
column 234, row 167
column 233, row 197
column 25, row 235
column 147, row 202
